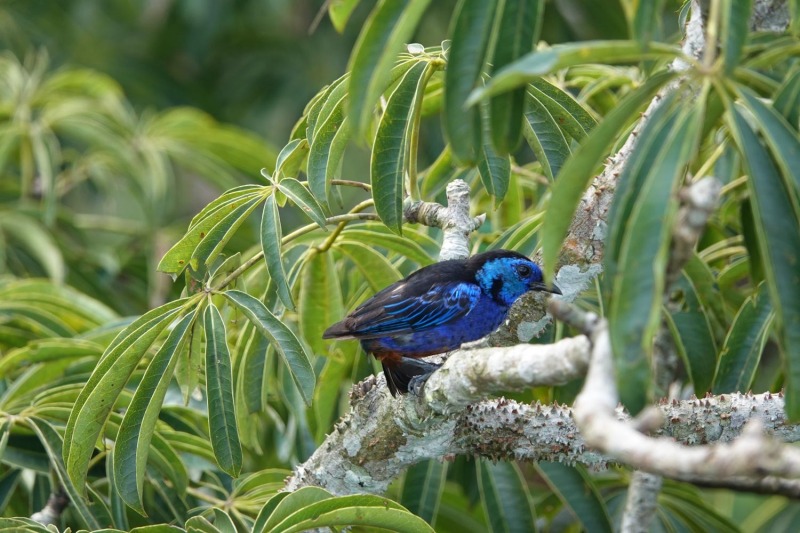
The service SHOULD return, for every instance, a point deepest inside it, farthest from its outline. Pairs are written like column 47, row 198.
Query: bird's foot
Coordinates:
column 422, row 371
column 417, row 383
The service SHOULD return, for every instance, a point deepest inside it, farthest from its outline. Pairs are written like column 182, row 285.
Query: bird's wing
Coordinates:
column 400, row 311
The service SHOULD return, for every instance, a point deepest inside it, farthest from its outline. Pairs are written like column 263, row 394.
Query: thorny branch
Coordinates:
column 706, row 441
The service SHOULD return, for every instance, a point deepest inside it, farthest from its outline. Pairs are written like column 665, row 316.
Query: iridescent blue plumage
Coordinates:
column 437, row 308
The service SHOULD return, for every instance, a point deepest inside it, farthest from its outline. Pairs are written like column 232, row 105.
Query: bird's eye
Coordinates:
column 523, row 270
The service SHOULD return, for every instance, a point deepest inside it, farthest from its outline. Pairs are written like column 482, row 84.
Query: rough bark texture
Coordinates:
column 381, row 436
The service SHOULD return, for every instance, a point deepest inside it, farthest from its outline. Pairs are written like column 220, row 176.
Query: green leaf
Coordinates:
column 579, row 169
column 393, row 146
column 579, row 492
column 516, row 31
column 779, row 235
column 330, row 141
column 744, row 344
column 422, row 489
column 389, row 26
column 224, row 207
column 297, row 193
column 198, row 524
column 291, row 158
column 53, row 445
column 223, row 522
column 8, row 486
column 691, row 330
column 190, row 368
column 494, row 169
column 560, row 56
column 374, row 266
column 339, row 11
column 294, row 356
column 470, row 33
column 47, row 350
column 571, row 116
column 787, row 99
column 320, row 299
column 283, row 504
column 505, row 498
column 646, row 21
column 271, row 236
column 219, row 387
column 396, row 243
column 545, row 137
column 641, row 222
column 98, row 396
column 29, row 234
column 214, row 241
column 306, row 509
column 136, row 430
column 782, row 140
column 735, row 30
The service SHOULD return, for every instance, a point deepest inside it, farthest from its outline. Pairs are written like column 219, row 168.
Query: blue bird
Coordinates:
column 436, row 309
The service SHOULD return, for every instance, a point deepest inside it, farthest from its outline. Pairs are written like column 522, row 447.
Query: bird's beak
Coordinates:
column 541, row 286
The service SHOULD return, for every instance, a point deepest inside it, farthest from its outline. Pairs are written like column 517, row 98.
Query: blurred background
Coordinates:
column 254, row 63
column 121, row 119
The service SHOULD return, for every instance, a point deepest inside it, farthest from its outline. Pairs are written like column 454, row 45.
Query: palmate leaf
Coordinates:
column 302, row 198
column 423, row 485
column 646, row 20
column 392, row 149
column 211, row 229
column 53, row 444
column 541, row 62
column 571, row 116
column 545, row 137
column 294, row 356
column 136, row 430
column 741, row 353
column 320, row 299
column 388, row 27
column 579, row 492
column 271, row 235
column 98, row 396
column 312, row 507
column 505, row 497
column 515, row 32
column 339, row 11
column 778, row 229
column 470, row 32
column 640, row 227
column 694, row 339
column 493, row 168
column 735, row 21
column 219, row 389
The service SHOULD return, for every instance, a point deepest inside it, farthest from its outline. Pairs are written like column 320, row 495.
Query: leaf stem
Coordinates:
column 325, row 246
column 352, row 183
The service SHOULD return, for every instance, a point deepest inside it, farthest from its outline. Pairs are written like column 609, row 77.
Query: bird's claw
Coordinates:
column 417, row 383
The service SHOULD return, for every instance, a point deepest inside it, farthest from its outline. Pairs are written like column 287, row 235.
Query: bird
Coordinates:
column 436, row 309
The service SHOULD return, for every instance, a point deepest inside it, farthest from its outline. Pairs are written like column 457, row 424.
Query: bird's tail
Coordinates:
column 400, row 373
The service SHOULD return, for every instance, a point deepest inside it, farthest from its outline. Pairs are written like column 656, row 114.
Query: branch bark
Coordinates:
column 380, row 437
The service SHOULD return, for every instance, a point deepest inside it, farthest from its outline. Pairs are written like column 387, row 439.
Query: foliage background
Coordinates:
column 122, row 120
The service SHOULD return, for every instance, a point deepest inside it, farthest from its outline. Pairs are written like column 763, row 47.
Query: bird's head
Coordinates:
column 507, row 275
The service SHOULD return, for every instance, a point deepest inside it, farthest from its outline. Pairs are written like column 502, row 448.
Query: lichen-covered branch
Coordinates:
column 454, row 220
column 753, row 454
column 471, row 375
column 381, row 437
